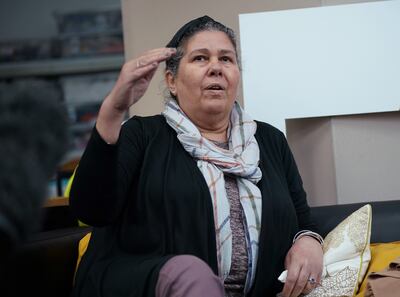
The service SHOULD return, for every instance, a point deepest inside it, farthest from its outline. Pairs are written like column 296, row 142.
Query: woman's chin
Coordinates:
column 217, row 105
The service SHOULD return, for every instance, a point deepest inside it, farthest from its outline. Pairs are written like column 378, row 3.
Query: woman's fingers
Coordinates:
column 143, row 81
column 136, row 75
column 142, row 66
column 300, row 282
column 290, row 282
column 310, row 285
column 154, row 56
column 304, row 261
column 146, row 71
column 296, row 281
column 157, row 56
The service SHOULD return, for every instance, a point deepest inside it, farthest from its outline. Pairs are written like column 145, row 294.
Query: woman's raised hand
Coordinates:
column 135, row 77
column 132, row 83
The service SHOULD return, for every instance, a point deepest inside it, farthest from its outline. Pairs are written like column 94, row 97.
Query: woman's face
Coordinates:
column 208, row 76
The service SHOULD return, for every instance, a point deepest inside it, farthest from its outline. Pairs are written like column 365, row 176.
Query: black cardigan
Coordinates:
column 148, row 201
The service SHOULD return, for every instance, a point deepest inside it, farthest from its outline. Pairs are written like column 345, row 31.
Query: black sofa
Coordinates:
column 45, row 265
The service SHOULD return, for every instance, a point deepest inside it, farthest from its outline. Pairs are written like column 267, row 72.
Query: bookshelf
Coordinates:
column 62, row 66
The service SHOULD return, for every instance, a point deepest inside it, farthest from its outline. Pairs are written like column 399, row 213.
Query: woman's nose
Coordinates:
column 215, row 68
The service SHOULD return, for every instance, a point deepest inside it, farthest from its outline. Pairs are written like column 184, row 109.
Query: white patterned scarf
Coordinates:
column 240, row 160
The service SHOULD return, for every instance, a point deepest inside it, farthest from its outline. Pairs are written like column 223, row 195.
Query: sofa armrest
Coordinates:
column 45, row 264
column 57, row 217
column 385, row 218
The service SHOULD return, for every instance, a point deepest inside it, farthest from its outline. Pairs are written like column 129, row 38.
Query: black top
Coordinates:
column 148, row 201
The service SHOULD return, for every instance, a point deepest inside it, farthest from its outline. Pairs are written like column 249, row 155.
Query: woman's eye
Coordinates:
column 226, row 59
column 200, row 58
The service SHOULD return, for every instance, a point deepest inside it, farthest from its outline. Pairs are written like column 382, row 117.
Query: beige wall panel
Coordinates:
column 149, row 24
column 367, row 159
column 311, row 144
column 337, row 2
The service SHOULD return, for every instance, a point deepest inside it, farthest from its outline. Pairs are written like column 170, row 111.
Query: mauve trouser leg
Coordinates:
column 186, row 275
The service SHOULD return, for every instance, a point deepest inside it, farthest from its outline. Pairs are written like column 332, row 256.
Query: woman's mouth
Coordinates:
column 215, row 90
column 215, row 87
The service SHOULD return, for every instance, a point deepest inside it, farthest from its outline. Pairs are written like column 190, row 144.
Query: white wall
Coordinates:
column 321, row 61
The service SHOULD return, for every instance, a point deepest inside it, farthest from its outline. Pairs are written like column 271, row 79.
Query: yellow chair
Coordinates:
column 68, row 190
column 69, row 184
column 381, row 255
column 84, row 242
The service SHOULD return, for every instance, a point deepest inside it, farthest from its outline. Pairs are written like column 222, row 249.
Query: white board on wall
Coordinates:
column 323, row 61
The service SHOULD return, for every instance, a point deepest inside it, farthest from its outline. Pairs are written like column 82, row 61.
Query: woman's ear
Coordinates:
column 171, row 83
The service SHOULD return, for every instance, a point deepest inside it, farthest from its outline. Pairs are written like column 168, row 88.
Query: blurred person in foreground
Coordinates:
column 201, row 200
column 33, row 140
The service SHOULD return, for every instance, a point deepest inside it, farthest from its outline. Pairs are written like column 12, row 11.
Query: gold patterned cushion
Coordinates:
column 346, row 255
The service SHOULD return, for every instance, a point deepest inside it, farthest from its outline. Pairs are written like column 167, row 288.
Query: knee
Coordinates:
column 188, row 265
column 187, row 275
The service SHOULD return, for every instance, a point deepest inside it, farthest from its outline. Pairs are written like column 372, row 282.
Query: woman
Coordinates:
column 198, row 201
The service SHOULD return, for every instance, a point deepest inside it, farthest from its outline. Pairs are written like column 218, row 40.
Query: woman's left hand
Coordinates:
column 304, row 263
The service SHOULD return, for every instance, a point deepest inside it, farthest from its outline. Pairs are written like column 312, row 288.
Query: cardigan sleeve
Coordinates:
column 295, row 185
column 105, row 173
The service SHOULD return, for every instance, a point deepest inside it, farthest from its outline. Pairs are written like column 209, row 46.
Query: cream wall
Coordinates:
column 341, row 159
column 311, row 141
column 367, row 157
column 348, row 159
